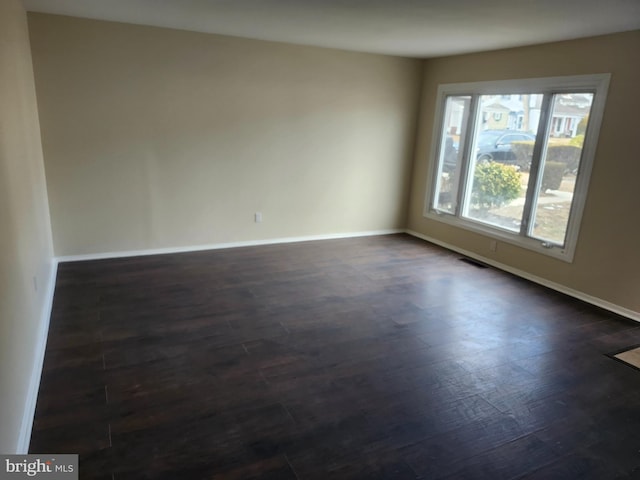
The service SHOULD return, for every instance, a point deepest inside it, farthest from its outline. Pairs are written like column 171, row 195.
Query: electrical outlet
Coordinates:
column 258, row 217
column 493, row 245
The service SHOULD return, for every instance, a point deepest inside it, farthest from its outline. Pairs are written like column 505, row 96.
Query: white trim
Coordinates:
column 500, row 234
column 517, row 86
column 22, row 446
column 217, row 246
column 36, row 372
column 598, row 302
column 598, row 83
column 581, row 187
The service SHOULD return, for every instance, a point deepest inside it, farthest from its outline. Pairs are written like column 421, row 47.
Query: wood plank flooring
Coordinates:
column 367, row 358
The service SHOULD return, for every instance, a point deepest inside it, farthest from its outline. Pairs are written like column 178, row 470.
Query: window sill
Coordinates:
column 561, row 253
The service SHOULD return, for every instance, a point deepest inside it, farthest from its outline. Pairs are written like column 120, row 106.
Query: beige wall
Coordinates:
column 607, row 259
column 161, row 138
column 25, row 236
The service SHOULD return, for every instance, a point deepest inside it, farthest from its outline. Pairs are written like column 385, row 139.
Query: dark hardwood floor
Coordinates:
column 370, row 358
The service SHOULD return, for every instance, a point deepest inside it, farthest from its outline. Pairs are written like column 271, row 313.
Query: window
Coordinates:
column 525, row 183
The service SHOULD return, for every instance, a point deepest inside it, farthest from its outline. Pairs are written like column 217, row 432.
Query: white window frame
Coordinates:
column 598, row 84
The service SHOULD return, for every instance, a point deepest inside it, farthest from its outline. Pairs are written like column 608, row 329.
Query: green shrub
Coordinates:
column 577, row 141
column 582, row 126
column 523, row 151
column 494, row 185
column 569, row 155
column 552, row 176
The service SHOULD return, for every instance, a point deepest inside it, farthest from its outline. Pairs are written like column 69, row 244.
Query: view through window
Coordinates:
column 510, row 162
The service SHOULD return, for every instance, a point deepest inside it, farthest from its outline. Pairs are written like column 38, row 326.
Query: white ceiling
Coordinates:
column 417, row 28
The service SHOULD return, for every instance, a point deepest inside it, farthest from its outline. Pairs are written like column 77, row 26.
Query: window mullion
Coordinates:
column 436, row 182
column 533, row 187
column 467, row 134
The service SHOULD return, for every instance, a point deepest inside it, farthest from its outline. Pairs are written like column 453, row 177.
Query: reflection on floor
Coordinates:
column 376, row 357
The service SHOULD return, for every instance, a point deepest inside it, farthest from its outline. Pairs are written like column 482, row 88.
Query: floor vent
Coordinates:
column 473, row 262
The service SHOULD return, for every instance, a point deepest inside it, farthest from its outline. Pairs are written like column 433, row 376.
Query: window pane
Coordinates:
column 454, row 126
column 501, row 158
column 560, row 166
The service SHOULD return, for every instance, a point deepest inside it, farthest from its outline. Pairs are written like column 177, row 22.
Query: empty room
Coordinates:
column 310, row 240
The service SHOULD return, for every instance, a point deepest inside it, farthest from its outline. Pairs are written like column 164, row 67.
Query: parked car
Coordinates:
column 496, row 145
column 492, row 145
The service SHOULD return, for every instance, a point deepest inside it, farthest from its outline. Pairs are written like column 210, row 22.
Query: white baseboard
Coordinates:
column 36, row 373
column 34, row 384
column 217, row 246
column 617, row 309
